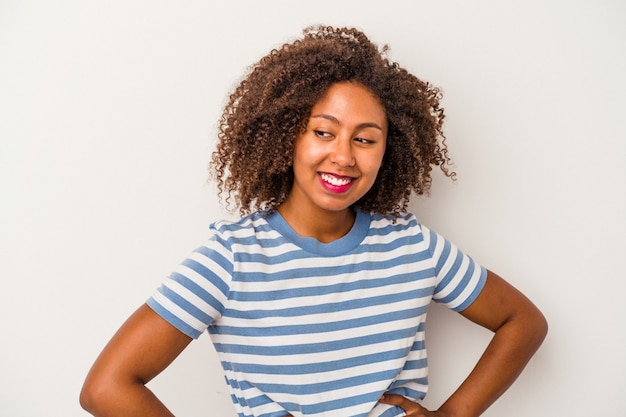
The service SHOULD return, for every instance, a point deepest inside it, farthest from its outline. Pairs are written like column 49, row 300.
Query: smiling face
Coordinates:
column 337, row 158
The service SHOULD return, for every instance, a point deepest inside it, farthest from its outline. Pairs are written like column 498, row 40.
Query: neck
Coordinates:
column 325, row 226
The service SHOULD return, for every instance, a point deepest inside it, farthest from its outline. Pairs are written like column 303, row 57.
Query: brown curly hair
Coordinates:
column 254, row 157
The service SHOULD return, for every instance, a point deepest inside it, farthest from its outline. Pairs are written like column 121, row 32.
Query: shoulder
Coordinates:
column 403, row 230
column 248, row 225
column 405, row 223
column 253, row 230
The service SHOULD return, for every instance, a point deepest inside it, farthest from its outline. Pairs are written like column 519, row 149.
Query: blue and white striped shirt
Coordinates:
column 312, row 329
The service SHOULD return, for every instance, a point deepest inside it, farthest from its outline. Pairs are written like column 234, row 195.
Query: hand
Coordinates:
column 411, row 409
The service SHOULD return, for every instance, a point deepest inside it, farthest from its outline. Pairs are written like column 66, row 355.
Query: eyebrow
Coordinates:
column 335, row 120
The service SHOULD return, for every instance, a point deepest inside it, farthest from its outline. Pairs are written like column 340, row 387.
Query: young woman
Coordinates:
column 316, row 299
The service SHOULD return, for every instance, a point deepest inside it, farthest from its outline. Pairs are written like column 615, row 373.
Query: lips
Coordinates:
column 336, row 183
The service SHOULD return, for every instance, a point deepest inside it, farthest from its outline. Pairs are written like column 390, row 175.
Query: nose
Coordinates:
column 342, row 152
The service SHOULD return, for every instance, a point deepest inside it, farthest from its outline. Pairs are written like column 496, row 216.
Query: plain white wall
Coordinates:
column 107, row 121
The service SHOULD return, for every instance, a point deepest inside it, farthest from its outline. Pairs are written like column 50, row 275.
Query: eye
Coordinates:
column 363, row 140
column 322, row 134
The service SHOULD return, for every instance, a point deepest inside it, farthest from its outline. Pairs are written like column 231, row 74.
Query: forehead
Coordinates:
column 350, row 100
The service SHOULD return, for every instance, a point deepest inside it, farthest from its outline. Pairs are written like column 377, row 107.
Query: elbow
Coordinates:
column 537, row 326
column 542, row 327
column 528, row 326
column 94, row 396
column 88, row 397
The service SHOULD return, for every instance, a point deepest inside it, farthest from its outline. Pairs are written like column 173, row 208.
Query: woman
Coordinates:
column 316, row 299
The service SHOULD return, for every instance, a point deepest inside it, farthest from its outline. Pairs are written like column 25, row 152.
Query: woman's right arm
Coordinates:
column 116, row 384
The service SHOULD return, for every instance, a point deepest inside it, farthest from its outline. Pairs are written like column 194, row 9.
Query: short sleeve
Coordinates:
column 193, row 296
column 459, row 279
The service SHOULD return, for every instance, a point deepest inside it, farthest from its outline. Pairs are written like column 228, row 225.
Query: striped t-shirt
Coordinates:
column 313, row 329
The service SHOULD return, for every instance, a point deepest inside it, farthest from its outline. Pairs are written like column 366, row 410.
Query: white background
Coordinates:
column 107, row 121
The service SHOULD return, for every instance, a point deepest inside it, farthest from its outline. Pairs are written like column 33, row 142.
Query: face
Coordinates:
column 337, row 157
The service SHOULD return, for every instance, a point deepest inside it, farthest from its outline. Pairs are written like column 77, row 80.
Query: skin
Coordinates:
column 519, row 328
column 336, row 160
column 344, row 140
column 143, row 347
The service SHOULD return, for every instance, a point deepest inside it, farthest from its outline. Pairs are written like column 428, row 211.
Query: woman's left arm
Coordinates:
column 519, row 329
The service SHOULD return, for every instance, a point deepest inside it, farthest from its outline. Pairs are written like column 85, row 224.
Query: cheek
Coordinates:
column 306, row 153
column 375, row 163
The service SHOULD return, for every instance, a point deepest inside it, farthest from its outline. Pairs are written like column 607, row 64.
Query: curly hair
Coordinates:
column 271, row 106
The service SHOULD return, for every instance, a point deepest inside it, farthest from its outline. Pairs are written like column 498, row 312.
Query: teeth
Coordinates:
column 335, row 180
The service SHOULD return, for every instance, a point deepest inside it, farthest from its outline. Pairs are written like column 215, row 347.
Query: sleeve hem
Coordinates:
column 475, row 293
column 172, row 319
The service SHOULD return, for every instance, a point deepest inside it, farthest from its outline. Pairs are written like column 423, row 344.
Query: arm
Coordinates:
column 144, row 346
column 519, row 329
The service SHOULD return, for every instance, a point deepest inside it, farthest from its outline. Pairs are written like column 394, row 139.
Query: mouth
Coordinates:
column 336, row 183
